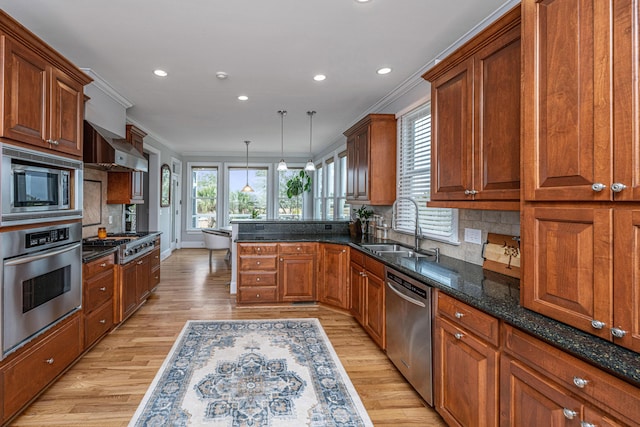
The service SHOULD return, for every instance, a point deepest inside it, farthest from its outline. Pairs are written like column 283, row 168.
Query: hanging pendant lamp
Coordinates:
column 247, row 188
column 310, row 166
column 282, row 166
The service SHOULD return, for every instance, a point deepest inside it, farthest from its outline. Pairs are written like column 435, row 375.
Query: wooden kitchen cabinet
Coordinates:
column 581, row 103
column 127, row 187
column 297, row 271
column 541, row 385
column 475, row 116
column 154, row 260
column 42, row 91
column 466, row 364
column 333, row 283
column 257, row 273
column 371, row 160
column 368, row 295
column 134, row 286
column 98, row 298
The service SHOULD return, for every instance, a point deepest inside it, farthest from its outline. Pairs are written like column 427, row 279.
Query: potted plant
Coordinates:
column 363, row 214
column 297, row 185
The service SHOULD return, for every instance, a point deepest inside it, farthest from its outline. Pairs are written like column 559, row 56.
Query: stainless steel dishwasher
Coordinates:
column 408, row 311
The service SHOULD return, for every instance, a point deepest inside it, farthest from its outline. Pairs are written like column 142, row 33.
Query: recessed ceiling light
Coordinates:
column 243, row 97
column 319, row 77
column 160, row 73
column 221, row 75
column 385, row 70
column 363, row 1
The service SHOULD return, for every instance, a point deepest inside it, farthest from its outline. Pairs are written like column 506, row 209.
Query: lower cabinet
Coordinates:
column 465, row 364
column 36, row 367
column 97, row 297
column 134, row 286
column 297, row 271
column 368, row 295
column 333, row 282
column 257, row 273
column 154, row 260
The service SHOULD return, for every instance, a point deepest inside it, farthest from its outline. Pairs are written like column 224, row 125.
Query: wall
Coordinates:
column 95, row 205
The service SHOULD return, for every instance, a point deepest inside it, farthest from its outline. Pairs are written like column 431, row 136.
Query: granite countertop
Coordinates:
column 93, row 253
column 493, row 293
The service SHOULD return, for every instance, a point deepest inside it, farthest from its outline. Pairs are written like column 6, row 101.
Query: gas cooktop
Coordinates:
column 130, row 245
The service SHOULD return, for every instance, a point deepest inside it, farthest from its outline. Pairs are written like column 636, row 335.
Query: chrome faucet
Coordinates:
column 416, row 232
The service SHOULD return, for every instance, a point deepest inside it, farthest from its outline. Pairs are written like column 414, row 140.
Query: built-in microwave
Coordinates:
column 39, row 187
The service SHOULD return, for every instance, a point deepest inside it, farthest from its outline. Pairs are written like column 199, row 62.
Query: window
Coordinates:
column 288, row 208
column 317, row 200
column 247, row 205
column 204, row 197
column 414, row 180
column 344, row 210
column 329, row 191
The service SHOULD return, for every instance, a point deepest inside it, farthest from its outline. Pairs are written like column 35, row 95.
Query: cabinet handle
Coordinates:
column 597, row 324
column 598, row 186
column 102, row 289
column 52, row 142
column 617, row 187
column 618, row 333
column 569, row 413
column 586, row 424
column 459, row 315
column 103, row 321
column 580, row 382
column 470, row 192
column 104, row 264
column 155, row 277
column 139, row 262
column 49, row 361
column 458, row 336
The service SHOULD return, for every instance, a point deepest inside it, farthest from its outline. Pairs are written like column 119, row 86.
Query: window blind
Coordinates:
column 414, row 180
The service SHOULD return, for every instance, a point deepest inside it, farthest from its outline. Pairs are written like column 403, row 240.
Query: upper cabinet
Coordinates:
column 42, row 93
column 127, row 187
column 475, row 108
column 581, row 100
column 371, row 160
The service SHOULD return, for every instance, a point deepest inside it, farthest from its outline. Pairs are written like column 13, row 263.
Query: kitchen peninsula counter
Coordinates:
column 493, row 293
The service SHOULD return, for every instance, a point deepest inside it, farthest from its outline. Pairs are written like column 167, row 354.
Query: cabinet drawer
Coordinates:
column 257, row 294
column 357, row 257
column 259, row 279
column 374, row 267
column 155, row 277
column 459, row 313
column 611, row 394
column 257, row 248
column 28, row 375
column 297, row 248
column 248, row 263
column 98, row 265
column 155, row 258
column 98, row 323
column 98, row 290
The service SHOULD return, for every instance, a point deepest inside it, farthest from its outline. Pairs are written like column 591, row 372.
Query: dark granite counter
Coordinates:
column 493, row 293
column 93, row 253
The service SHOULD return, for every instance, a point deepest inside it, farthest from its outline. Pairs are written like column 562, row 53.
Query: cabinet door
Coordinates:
column 374, row 312
column 67, row 107
column 128, row 294
column 627, row 277
column 568, row 273
column 25, row 95
column 362, row 165
column 451, row 121
column 296, row 276
column 497, row 119
column 466, row 377
column 143, row 275
column 528, row 399
column 566, row 105
column 357, row 291
column 352, row 167
column 333, row 286
column 137, row 192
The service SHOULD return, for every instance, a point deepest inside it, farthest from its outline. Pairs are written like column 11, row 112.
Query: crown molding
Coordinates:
column 105, row 87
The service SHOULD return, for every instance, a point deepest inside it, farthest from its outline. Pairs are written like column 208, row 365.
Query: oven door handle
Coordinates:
column 403, row 296
column 29, row 258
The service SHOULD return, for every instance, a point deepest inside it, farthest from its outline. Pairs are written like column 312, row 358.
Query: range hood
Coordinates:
column 106, row 150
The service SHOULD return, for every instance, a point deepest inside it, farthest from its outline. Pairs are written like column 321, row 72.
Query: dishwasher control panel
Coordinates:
column 408, row 285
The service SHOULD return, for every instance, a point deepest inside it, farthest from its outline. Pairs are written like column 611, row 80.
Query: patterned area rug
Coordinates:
column 254, row 373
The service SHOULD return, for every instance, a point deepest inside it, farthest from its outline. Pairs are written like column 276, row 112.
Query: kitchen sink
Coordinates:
column 388, row 247
column 397, row 251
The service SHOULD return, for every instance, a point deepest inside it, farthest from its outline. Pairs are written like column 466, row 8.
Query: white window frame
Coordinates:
column 439, row 224
column 190, row 213
column 270, row 187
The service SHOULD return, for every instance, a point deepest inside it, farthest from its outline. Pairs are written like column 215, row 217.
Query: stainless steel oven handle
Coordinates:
column 403, row 296
column 29, row 258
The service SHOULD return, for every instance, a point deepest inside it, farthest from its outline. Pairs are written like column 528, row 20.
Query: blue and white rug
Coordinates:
column 253, row 373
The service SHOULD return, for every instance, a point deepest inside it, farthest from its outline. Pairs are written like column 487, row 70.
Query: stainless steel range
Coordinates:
column 130, row 245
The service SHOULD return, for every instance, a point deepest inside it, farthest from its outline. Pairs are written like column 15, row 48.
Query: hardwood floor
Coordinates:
column 105, row 387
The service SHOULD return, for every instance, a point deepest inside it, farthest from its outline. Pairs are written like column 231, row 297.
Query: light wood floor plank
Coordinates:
column 105, row 387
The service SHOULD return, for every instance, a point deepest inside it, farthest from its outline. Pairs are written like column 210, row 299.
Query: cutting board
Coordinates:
column 501, row 254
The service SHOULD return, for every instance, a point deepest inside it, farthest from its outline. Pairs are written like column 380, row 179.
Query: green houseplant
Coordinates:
column 296, row 185
column 363, row 214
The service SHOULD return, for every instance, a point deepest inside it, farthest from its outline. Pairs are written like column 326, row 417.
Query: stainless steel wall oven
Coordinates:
column 41, row 280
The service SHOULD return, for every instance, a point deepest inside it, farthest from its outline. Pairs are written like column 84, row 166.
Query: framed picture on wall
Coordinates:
column 165, row 186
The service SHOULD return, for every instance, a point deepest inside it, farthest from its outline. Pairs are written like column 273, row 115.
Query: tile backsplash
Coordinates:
column 96, row 207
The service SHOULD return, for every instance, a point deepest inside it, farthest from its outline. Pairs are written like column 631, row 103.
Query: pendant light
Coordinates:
column 282, row 166
column 247, row 188
column 310, row 166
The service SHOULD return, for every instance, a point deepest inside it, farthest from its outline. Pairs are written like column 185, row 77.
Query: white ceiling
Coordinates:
column 271, row 49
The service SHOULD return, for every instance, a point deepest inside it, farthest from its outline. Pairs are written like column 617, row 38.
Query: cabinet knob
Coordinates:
column 258, row 249
column 257, row 279
column 597, row 324
column 49, row 361
column 618, row 333
column 103, row 289
column 104, row 264
column 281, row 259
column 458, row 336
column 470, row 192
column 580, row 382
column 103, row 321
column 257, row 295
column 344, row 250
column 459, row 315
column 586, row 424
column 569, row 413
column 298, row 248
column 617, row 187
column 598, row 186
column 52, row 142
column 257, row 262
